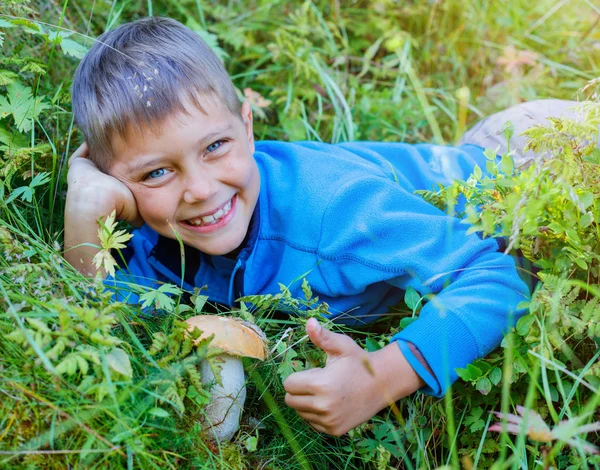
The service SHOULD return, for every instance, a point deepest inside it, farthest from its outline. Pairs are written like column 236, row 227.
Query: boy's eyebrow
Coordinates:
column 139, row 167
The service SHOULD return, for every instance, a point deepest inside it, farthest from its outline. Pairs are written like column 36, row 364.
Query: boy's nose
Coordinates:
column 198, row 189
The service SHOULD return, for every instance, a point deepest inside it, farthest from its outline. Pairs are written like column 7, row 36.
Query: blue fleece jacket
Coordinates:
column 345, row 217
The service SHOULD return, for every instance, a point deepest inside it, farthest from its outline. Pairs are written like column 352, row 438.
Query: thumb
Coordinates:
column 334, row 344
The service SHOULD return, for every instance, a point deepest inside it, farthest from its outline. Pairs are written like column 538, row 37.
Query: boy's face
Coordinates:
column 195, row 175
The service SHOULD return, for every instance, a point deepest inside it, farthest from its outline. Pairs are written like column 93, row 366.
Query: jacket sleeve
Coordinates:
column 376, row 231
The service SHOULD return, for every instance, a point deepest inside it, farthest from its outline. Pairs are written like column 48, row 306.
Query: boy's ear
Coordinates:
column 248, row 123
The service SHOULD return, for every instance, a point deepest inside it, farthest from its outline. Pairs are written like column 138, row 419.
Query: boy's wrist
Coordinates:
column 393, row 374
column 87, row 204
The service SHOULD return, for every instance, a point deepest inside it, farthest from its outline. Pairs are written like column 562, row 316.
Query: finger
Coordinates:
column 304, row 403
column 82, row 152
column 312, row 419
column 334, row 344
column 302, row 383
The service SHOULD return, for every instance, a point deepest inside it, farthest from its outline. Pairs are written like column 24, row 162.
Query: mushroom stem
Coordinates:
column 227, row 402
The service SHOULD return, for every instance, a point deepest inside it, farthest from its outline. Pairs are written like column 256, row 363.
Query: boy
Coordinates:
column 176, row 151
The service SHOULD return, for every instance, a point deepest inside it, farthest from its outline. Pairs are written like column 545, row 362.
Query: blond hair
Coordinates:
column 139, row 74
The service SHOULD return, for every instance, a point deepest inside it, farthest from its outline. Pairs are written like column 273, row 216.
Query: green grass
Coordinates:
column 388, row 71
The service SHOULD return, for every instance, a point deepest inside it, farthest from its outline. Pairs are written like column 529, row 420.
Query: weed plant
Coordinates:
column 89, row 383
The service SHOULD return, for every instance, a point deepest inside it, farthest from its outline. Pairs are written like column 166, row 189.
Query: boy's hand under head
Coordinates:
column 354, row 384
column 97, row 191
column 92, row 195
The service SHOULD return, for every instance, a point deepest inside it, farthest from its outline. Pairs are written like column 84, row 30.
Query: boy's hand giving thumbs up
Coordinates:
column 354, row 384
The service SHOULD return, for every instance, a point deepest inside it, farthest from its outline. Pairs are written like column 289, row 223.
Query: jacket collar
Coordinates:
column 166, row 258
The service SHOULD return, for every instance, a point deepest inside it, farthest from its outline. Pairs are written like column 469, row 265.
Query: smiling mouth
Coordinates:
column 213, row 218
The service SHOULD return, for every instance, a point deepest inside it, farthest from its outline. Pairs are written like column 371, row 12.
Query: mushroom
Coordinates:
column 237, row 339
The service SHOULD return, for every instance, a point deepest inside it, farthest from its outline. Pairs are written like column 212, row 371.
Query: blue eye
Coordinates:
column 156, row 173
column 214, row 145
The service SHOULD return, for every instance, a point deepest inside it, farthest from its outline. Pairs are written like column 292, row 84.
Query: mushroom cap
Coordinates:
column 234, row 336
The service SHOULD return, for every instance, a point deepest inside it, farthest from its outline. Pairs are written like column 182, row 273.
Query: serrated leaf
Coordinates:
column 72, row 48
column 27, row 25
column 118, row 360
column 170, row 289
column 24, row 192
column 201, row 397
column 210, row 39
column 20, row 103
column 474, row 421
column 6, row 76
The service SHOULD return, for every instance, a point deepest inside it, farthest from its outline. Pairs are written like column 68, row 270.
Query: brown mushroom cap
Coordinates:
column 233, row 336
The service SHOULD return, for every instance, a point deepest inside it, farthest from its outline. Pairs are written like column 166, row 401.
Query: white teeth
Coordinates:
column 211, row 219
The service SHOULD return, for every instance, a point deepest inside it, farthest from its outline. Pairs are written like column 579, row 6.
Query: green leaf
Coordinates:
column 159, row 412
column 20, row 103
column 411, row 298
column 474, row 421
column 159, row 298
column 524, row 324
column 572, row 235
column 251, row 443
column 581, row 263
column 491, row 167
column 407, row 321
column 556, row 227
column 289, row 364
column 490, row 154
column 199, row 302
column 507, row 165
column 6, row 76
column 209, row 38
column 24, row 192
column 484, row 386
column 170, row 289
column 586, row 198
column 201, row 397
column 27, row 25
column 508, row 130
column 72, row 48
column 118, row 360
column 372, row 345
column 477, row 172
column 469, row 373
column 506, row 183
column 586, row 220
column 40, row 179
column 495, row 375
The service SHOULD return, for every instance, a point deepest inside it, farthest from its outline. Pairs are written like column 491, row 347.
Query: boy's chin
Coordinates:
column 229, row 250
